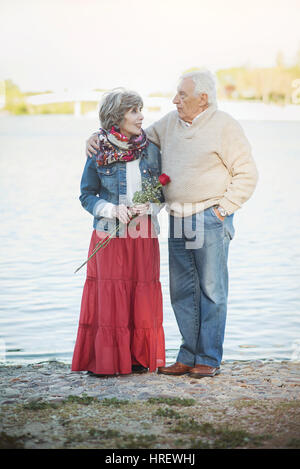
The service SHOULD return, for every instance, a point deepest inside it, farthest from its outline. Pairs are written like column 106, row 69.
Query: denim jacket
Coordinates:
column 108, row 184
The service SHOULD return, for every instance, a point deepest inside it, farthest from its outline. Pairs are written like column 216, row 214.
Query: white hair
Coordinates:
column 204, row 83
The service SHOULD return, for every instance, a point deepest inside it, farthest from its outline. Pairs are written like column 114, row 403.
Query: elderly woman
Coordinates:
column 120, row 326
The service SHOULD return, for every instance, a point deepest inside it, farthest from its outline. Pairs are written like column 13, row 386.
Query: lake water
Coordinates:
column 45, row 235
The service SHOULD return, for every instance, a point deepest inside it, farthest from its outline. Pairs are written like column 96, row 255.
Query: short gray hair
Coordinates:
column 204, row 83
column 115, row 104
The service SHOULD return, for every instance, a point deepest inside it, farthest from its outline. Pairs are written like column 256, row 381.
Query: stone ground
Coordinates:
column 251, row 404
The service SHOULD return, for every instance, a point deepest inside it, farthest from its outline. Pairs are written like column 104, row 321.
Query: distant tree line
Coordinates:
column 279, row 85
column 269, row 85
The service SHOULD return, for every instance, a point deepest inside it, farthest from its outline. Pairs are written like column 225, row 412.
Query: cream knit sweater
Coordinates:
column 209, row 162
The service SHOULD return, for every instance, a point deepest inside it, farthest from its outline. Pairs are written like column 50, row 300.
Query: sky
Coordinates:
column 143, row 45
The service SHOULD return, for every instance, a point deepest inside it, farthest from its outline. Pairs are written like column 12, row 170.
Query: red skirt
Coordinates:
column 121, row 317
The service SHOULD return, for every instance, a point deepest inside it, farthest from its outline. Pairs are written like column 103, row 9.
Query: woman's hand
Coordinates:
column 92, row 145
column 122, row 212
column 140, row 209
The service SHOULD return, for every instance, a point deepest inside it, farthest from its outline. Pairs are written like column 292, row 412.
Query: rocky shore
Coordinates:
column 251, row 404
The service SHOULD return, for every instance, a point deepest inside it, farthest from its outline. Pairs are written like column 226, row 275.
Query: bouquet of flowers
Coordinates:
column 150, row 192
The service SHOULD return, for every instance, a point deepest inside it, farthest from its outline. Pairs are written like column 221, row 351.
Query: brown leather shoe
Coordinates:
column 175, row 369
column 201, row 371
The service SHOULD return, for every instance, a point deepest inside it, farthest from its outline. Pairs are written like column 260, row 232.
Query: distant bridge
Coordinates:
column 158, row 104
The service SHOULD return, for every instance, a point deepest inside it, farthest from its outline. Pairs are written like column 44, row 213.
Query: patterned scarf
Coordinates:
column 115, row 147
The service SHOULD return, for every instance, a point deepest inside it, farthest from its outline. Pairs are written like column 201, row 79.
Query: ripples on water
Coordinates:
column 45, row 235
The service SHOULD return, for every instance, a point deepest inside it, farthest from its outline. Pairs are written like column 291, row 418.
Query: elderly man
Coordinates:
column 208, row 158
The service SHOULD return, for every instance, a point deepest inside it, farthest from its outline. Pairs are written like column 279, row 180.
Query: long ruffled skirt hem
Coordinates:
column 121, row 317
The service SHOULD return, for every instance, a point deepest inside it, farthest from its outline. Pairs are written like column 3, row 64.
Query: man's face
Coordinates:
column 188, row 104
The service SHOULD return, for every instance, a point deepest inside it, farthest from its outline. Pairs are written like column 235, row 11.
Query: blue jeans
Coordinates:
column 198, row 254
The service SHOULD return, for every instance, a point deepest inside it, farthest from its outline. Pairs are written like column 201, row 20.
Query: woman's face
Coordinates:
column 132, row 122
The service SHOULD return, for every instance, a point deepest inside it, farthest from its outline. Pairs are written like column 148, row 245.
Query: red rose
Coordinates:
column 164, row 179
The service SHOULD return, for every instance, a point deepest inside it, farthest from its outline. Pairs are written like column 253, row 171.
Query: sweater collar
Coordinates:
column 201, row 118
